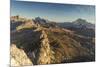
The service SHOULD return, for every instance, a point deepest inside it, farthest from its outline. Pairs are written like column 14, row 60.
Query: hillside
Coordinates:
column 45, row 42
column 80, row 26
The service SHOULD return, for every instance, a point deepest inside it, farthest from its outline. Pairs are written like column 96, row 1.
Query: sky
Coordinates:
column 53, row 11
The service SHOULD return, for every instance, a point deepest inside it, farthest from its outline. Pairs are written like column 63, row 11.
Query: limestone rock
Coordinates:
column 18, row 57
column 45, row 56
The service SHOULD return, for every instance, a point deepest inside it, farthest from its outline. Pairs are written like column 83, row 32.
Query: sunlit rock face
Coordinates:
column 18, row 57
column 45, row 56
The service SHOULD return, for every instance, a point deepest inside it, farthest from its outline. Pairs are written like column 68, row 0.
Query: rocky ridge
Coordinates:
column 44, row 54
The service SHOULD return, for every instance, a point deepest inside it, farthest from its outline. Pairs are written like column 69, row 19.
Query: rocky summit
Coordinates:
column 39, row 41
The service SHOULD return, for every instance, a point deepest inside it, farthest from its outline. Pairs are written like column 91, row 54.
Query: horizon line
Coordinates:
column 51, row 20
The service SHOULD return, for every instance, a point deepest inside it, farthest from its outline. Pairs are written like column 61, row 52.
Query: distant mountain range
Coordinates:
column 79, row 23
column 81, row 26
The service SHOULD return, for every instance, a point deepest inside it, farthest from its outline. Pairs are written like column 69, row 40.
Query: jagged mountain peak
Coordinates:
column 41, row 20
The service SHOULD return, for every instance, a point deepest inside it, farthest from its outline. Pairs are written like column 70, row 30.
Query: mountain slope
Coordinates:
column 49, row 45
column 80, row 26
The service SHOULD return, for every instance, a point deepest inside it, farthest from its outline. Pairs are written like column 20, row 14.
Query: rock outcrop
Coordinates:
column 18, row 57
column 46, row 54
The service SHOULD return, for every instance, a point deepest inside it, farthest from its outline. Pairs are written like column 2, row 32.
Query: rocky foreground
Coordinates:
column 36, row 42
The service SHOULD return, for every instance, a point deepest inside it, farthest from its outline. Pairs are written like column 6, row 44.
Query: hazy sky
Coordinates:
column 53, row 12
